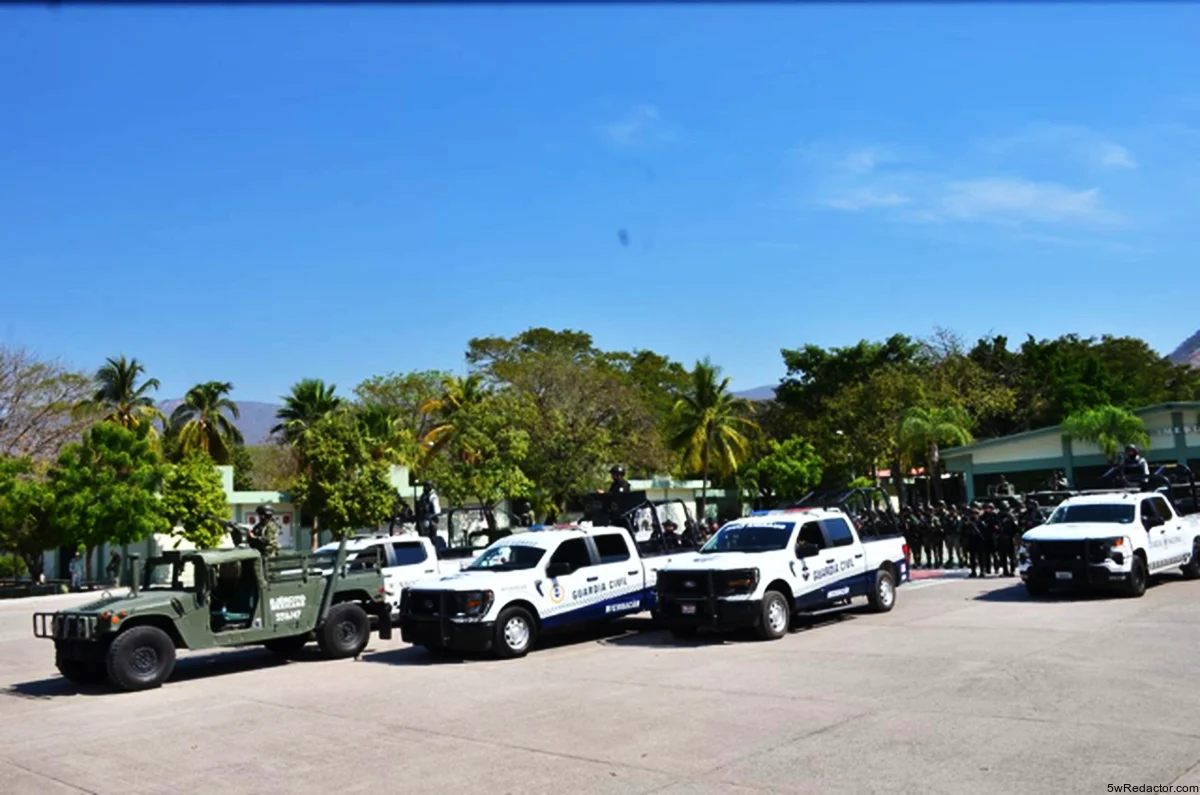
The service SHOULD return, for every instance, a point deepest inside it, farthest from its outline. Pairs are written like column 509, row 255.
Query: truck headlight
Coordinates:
column 474, row 604
column 1117, row 549
column 1025, row 553
column 742, row 581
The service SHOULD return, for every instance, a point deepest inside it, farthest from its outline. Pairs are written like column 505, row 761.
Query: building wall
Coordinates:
column 1047, row 445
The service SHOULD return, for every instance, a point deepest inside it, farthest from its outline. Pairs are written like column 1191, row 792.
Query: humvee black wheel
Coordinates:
column 81, row 672
column 140, row 658
column 345, row 632
column 287, row 647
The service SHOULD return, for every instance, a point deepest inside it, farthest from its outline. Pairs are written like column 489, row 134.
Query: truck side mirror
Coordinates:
column 806, row 549
column 559, row 569
column 1152, row 521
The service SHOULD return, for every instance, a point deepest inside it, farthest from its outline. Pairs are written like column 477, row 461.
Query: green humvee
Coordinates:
column 204, row 599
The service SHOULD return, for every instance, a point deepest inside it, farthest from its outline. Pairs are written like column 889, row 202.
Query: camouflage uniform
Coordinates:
column 953, row 532
column 269, row 533
column 935, row 540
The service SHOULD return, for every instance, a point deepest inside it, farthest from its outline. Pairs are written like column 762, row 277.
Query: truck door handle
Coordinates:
column 831, row 560
column 592, row 579
column 859, row 555
column 631, row 573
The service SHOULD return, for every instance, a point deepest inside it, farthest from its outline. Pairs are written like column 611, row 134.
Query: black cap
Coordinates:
column 264, row 510
column 617, row 470
column 427, row 484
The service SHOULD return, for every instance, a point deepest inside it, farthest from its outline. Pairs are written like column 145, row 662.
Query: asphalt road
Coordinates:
column 966, row 687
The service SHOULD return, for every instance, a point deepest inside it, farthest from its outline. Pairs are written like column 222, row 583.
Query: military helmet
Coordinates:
column 617, row 470
column 265, row 511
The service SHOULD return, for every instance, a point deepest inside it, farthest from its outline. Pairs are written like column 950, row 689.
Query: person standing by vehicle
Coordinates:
column 428, row 508
column 973, row 532
column 1007, row 547
column 114, row 568
column 619, row 484
column 990, row 525
column 937, row 532
column 912, row 533
column 1004, row 488
column 77, row 568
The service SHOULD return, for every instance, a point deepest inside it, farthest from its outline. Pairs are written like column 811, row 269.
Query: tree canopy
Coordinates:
column 193, row 501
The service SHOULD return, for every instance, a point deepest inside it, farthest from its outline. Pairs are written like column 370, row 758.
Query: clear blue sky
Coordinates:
column 263, row 194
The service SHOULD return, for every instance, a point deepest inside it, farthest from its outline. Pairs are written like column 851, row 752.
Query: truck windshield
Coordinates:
column 507, row 557
column 1113, row 514
column 753, row 538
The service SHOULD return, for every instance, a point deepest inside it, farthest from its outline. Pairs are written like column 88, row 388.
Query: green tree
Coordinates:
column 274, row 467
column 342, row 486
column 243, row 468
column 385, row 433
column 816, row 374
column 309, row 402
column 192, row 498
column 458, row 396
column 120, row 398
column 25, row 505
column 924, row 430
column 405, row 395
column 106, row 488
column 204, row 421
column 787, row 472
column 482, row 459
column 1108, row 427
column 711, row 423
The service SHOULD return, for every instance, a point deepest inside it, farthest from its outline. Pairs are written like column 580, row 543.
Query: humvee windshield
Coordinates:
column 170, row 575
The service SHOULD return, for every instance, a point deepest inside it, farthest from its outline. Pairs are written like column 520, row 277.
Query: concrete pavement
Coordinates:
column 967, row 686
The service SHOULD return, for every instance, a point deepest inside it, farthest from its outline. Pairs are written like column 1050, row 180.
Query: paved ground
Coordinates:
column 967, row 686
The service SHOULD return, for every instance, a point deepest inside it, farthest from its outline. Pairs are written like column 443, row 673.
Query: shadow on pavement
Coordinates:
column 1016, row 593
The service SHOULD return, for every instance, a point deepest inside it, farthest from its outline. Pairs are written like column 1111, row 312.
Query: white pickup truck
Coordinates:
column 1110, row 540
column 761, row 570
column 404, row 559
column 530, row 583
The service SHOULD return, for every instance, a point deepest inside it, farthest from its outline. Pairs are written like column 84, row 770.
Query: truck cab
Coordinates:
column 1109, row 540
column 529, row 583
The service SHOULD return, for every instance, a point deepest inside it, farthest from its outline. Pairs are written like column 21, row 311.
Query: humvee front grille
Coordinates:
column 58, row 626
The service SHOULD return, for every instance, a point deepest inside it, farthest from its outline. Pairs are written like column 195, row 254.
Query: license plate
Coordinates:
column 1063, row 575
column 687, row 610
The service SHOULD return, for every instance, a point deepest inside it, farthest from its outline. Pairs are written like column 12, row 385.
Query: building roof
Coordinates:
column 967, row 449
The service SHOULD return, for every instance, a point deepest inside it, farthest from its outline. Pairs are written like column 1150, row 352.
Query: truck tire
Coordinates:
column 80, row 672
column 882, row 596
column 684, row 631
column 1135, row 586
column 776, row 616
column 140, row 658
column 1036, row 589
column 287, row 647
column 1191, row 569
column 346, row 631
column 515, row 633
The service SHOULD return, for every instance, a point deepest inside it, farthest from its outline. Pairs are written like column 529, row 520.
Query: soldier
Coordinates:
column 952, row 529
column 1134, row 468
column 989, row 523
column 935, row 542
column 918, row 532
column 1032, row 516
column 1010, row 531
column 428, row 508
column 266, row 531
column 973, row 535
column 619, row 484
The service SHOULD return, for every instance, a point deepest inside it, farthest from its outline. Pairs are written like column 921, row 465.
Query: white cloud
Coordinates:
column 865, row 199
column 1058, row 141
column 1115, row 156
column 642, row 126
column 1019, row 200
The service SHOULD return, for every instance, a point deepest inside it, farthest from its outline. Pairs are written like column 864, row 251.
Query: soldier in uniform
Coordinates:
column 935, row 542
column 973, row 536
column 619, row 484
column 1010, row 531
column 990, row 524
column 266, row 531
column 910, row 537
column 918, row 537
column 952, row 529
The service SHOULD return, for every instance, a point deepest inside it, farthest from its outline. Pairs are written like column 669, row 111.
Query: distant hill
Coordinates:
column 758, row 393
column 255, row 422
column 1188, row 352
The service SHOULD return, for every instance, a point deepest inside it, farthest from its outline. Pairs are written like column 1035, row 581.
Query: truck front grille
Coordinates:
column 429, row 604
column 685, row 584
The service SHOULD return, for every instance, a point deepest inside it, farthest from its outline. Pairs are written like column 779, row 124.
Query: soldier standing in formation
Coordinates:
column 936, row 538
column 973, row 533
column 952, row 528
column 1010, row 531
column 266, row 531
column 912, row 531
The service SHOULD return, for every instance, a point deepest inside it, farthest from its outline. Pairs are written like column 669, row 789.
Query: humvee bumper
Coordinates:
column 64, row 627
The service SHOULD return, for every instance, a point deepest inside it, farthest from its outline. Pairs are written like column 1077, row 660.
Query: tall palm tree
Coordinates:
column 388, row 437
column 119, row 397
column 923, row 431
column 710, row 421
column 458, row 394
column 1108, row 427
column 309, row 401
column 201, row 423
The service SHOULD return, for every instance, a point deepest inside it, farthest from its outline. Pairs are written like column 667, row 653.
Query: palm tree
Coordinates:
column 458, row 394
column 1108, row 427
column 200, row 423
column 309, row 401
column 709, row 420
column 119, row 396
column 924, row 430
column 388, row 438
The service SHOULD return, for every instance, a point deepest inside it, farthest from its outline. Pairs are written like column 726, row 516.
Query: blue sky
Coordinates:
column 262, row 194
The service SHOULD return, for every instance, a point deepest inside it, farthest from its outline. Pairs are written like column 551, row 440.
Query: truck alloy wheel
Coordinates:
column 776, row 616
column 883, row 592
column 140, row 658
column 514, row 632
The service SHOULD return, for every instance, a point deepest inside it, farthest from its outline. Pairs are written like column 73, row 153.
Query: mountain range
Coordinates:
column 256, row 420
column 1188, row 351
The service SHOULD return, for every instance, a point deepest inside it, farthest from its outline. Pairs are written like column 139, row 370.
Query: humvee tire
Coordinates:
column 346, row 631
column 81, row 672
column 140, row 658
column 287, row 647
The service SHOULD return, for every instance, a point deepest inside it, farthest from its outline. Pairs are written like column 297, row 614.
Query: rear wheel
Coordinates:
column 776, row 616
column 1191, row 569
column 287, row 647
column 140, row 658
column 1135, row 586
column 345, row 632
column 515, row 632
column 882, row 596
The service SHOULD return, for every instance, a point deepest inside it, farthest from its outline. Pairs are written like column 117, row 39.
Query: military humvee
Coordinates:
column 204, row 599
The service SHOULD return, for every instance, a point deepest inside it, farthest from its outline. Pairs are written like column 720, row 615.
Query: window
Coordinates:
column 367, row 559
column 574, row 551
column 612, row 548
column 838, row 531
column 508, row 557
column 810, row 533
column 1114, row 514
column 408, row 553
column 750, row 538
column 1164, row 510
